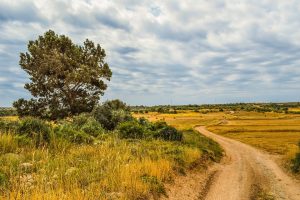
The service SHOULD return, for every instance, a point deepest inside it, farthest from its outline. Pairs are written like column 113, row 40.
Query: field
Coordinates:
column 276, row 133
column 185, row 119
column 109, row 168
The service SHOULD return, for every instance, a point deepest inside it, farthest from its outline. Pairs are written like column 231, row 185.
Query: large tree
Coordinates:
column 66, row 78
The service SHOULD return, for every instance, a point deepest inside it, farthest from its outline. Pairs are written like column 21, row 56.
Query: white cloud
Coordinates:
column 166, row 49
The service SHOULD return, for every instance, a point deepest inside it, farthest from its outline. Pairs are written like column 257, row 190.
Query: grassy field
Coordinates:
column 110, row 168
column 276, row 133
column 185, row 119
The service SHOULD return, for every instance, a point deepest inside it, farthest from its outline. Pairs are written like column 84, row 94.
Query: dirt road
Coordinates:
column 247, row 173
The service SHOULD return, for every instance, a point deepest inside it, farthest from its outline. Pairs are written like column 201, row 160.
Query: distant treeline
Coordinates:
column 258, row 107
column 7, row 111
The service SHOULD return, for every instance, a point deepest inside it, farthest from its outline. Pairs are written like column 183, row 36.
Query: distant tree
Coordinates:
column 66, row 79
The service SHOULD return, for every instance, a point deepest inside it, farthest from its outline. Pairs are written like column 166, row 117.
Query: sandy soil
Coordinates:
column 245, row 173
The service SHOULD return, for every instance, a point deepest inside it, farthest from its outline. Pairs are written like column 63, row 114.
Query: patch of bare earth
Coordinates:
column 194, row 185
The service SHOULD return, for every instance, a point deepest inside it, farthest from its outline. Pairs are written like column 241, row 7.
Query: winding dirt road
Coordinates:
column 247, row 172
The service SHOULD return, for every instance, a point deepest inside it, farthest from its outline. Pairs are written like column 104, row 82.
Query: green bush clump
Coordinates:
column 142, row 129
column 169, row 133
column 112, row 113
column 131, row 129
column 36, row 129
column 88, row 125
column 69, row 133
column 296, row 161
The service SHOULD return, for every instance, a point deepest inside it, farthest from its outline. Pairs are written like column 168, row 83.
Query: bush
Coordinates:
column 142, row 128
column 73, row 135
column 169, row 133
column 92, row 128
column 87, row 124
column 36, row 129
column 111, row 113
column 131, row 129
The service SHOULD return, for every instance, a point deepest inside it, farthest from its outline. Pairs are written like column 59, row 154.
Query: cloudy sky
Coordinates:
column 167, row 51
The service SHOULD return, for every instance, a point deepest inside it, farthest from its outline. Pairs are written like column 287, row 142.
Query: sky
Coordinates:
column 167, row 51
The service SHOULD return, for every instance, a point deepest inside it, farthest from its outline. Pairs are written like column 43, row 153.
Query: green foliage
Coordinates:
column 93, row 128
column 66, row 79
column 32, row 107
column 3, row 180
column 296, row 161
column 76, row 136
column 8, row 126
column 142, row 128
column 111, row 113
column 36, row 129
column 131, row 129
column 88, row 125
column 208, row 146
column 169, row 133
column 4, row 111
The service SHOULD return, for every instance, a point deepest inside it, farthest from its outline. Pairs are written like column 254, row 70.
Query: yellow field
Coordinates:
column 185, row 120
column 13, row 118
column 276, row 133
column 294, row 109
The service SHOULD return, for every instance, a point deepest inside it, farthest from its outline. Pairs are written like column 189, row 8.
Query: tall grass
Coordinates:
column 111, row 169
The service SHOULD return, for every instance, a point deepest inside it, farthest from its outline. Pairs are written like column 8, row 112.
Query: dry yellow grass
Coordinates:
column 111, row 169
column 12, row 118
column 276, row 133
column 294, row 109
column 184, row 120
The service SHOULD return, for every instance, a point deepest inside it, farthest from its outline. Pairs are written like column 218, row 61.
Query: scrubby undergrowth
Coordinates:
column 79, row 159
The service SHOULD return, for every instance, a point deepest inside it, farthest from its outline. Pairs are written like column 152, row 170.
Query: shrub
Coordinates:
column 159, row 125
column 169, row 133
column 87, row 124
column 36, row 129
column 77, row 136
column 111, row 113
column 80, row 120
column 93, row 128
column 131, row 129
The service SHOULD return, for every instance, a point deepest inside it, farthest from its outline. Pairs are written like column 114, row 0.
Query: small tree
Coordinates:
column 66, row 79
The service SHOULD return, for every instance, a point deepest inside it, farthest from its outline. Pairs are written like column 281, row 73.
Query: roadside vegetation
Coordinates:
column 84, row 158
